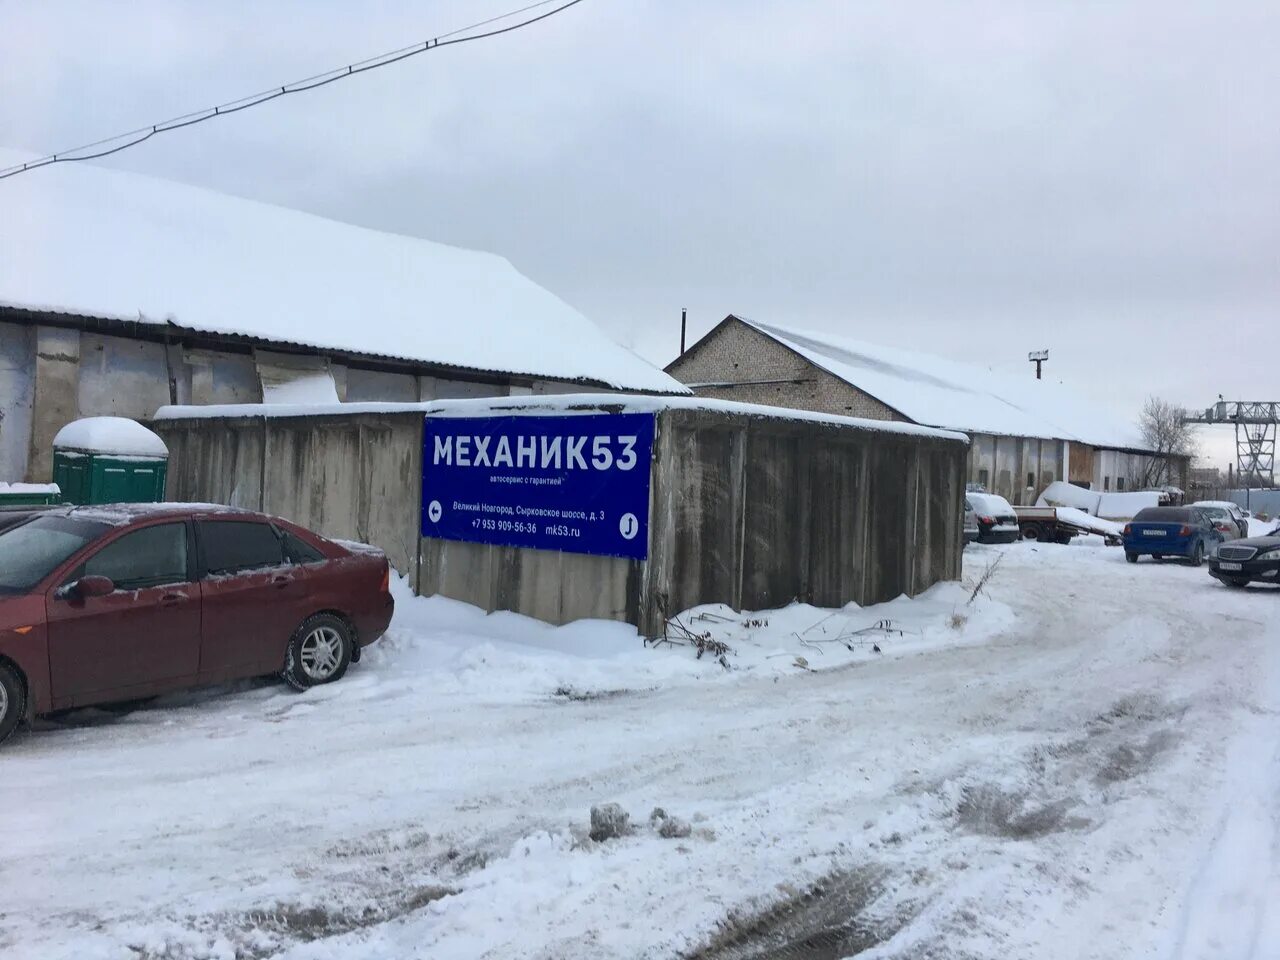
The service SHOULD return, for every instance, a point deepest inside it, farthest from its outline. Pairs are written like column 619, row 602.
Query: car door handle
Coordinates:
column 173, row 599
column 281, row 581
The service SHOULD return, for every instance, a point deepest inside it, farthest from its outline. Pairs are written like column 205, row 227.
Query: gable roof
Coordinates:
column 94, row 242
column 938, row 392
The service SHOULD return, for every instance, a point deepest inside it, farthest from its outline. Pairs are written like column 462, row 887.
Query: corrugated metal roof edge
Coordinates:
column 71, row 317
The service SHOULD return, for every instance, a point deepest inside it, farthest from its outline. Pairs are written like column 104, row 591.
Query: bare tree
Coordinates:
column 1171, row 441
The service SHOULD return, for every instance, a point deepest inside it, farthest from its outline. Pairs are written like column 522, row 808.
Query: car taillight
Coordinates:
column 1128, row 529
column 1185, row 531
column 989, row 521
column 1222, row 527
column 386, row 578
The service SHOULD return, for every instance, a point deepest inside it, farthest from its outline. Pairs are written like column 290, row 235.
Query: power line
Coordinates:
column 135, row 137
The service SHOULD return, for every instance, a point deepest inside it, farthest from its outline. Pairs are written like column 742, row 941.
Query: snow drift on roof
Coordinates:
column 567, row 404
column 945, row 393
column 117, row 435
column 87, row 240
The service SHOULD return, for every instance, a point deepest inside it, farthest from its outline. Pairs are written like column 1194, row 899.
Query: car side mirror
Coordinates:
column 92, row 586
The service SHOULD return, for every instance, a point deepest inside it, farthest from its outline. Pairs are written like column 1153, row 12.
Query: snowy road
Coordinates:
column 1095, row 775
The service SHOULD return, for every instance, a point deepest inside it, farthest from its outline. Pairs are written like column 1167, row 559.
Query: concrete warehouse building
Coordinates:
column 121, row 293
column 1025, row 433
column 675, row 502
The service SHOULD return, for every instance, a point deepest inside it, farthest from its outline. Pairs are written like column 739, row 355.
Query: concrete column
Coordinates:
column 55, row 400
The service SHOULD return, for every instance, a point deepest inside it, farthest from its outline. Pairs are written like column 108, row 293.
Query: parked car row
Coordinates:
column 104, row 604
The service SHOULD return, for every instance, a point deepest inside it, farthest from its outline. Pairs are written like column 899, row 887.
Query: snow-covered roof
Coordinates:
column 86, row 240
column 564, row 404
column 112, row 435
column 951, row 394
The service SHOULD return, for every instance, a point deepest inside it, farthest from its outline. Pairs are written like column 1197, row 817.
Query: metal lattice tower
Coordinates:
column 1255, row 423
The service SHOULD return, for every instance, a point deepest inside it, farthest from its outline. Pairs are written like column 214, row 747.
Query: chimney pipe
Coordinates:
column 684, row 323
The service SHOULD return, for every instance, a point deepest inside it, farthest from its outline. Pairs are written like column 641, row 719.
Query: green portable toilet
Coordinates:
column 109, row 460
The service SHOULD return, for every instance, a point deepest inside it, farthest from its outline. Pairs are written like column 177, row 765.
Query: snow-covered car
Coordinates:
column 997, row 522
column 971, row 529
column 1238, row 563
column 1226, row 511
column 110, row 603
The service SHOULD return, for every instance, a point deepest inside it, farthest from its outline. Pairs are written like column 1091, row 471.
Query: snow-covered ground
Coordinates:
column 1082, row 762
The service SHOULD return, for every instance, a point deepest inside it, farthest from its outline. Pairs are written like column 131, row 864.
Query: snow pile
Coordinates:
column 1079, row 518
column 945, row 393
column 1110, row 506
column 41, row 489
column 456, row 648
column 104, row 243
column 110, row 435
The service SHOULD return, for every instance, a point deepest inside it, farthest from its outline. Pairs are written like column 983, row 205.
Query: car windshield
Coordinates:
column 1215, row 512
column 30, row 551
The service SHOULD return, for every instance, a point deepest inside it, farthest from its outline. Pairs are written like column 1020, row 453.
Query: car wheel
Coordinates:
column 319, row 652
column 1197, row 555
column 1131, row 557
column 13, row 701
column 1157, row 556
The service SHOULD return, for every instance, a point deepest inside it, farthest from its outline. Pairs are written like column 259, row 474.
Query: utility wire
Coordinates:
column 461, row 35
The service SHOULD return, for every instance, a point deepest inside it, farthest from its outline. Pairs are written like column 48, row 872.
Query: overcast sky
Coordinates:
column 1101, row 179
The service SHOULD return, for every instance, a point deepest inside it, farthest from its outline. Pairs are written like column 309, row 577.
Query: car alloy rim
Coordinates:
column 321, row 653
column 4, row 701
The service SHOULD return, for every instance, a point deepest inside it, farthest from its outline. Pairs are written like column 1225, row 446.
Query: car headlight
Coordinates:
column 1273, row 554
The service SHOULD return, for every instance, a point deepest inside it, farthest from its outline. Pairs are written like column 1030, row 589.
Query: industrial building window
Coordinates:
column 983, row 477
column 1119, row 483
column 1106, row 483
column 1031, row 481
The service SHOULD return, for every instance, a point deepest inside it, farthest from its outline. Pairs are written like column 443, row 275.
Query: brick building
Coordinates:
column 1025, row 433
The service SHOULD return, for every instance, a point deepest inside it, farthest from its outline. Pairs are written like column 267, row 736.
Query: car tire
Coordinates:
column 1157, row 556
column 319, row 652
column 1197, row 555
column 13, row 701
column 1131, row 557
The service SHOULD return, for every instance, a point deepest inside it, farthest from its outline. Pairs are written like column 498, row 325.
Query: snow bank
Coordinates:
column 503, row 657
column 567, row 404
column 104, row 243
column 112, row 435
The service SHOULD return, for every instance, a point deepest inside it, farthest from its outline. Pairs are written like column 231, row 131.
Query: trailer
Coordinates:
column 1060, row 524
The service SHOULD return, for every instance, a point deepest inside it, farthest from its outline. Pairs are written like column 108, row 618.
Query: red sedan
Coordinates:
column 101, row 604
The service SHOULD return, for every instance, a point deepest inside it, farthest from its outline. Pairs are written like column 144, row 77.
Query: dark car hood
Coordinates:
column 1262, row 543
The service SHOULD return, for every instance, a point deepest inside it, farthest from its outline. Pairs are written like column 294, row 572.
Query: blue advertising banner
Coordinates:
column 573, row 483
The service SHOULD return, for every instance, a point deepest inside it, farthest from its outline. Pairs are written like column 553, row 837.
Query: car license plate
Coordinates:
column 1153, row 533
column 1224, row 565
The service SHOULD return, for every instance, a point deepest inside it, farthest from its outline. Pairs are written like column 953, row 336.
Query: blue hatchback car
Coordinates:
column 1161, row 532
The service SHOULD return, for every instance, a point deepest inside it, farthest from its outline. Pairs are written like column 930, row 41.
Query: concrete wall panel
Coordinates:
column 746, row 510
column 17, row 393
